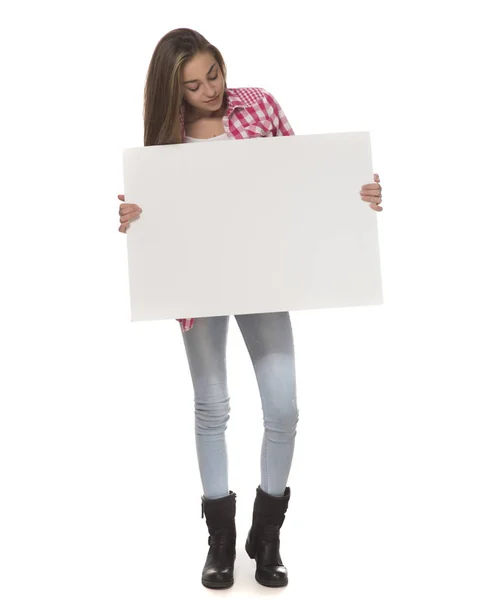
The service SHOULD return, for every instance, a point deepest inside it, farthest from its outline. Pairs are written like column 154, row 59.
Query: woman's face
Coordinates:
column 203, row 83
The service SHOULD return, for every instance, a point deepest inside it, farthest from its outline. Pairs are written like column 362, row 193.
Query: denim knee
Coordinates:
column 281, row 419
column 212, row 408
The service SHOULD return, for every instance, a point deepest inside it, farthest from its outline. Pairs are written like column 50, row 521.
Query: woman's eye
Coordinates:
column 210, row 79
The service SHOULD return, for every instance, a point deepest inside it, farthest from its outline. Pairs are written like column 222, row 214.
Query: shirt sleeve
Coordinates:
column 279, row 119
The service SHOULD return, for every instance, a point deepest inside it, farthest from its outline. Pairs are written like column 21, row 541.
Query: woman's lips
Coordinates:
column 213, row 101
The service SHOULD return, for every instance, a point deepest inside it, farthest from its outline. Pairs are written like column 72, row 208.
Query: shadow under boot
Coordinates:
column 218, row 571
column 263, row 538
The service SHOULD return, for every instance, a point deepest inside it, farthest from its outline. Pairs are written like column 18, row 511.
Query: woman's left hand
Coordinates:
column 371, row 192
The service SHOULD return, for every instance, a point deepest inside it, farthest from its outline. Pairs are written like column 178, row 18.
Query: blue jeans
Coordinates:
column 269, row 340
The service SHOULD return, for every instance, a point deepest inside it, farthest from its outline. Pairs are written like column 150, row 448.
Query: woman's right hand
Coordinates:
column 127, row 212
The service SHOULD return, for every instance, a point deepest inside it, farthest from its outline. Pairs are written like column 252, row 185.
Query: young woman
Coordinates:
column 187, row 101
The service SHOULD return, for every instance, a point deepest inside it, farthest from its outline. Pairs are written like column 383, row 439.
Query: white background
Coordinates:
column 100, row 492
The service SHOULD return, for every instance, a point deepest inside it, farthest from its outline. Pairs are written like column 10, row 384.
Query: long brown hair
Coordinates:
column 163, row 96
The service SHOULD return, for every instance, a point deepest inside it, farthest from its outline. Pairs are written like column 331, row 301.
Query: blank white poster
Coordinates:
column 251, row 226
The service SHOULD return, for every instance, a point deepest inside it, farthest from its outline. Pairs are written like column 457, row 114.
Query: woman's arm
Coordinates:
column 279, row 119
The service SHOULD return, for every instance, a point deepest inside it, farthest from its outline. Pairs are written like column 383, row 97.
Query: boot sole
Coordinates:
column 274, row 584
column 219, row 585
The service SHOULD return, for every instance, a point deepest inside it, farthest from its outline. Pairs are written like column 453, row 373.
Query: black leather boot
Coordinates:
column 263, row 539
column 218, row 571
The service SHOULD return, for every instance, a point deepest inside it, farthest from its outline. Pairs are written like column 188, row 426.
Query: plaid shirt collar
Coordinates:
column 233, row 101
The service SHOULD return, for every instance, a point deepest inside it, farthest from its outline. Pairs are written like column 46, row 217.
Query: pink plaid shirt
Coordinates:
column 251, row 112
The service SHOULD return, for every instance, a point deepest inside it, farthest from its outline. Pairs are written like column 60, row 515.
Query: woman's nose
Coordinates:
column 210, row 92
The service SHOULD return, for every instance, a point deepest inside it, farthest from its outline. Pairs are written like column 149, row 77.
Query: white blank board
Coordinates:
column 251, row 226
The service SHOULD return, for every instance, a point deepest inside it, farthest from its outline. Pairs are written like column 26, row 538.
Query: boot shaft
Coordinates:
column 220, row 513
column 270, row 510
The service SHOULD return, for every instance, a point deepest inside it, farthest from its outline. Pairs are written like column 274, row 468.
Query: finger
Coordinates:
column 371, row 186
column 370, row 193
column 121, row 197
column 371, row 199
column 129, row 211
column 129, row 207
column 125, row 209
column 376, row 207
column 376, row 177
column 125, row 218
column 128, row 218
